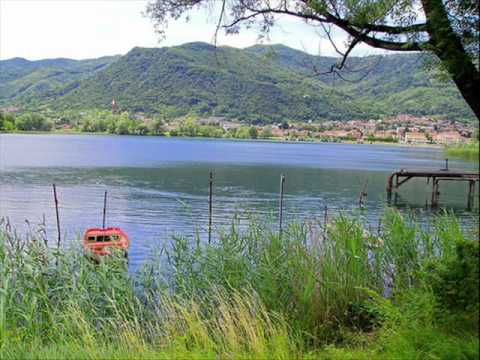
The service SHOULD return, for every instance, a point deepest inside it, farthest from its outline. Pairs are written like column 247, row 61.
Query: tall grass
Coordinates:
column 468, row 151
column 314, row 291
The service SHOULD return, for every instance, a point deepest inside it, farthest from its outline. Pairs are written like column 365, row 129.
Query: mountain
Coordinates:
column 256, row 84
column 202, row 79
column 22, row 80
column 394, row 83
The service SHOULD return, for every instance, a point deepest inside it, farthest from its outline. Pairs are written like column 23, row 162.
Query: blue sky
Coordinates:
column 80, row 29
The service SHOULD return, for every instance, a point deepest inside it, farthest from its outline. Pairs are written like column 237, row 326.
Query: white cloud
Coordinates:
column 39, row 29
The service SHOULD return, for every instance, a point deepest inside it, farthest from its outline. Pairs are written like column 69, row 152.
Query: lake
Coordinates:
column 158, row 186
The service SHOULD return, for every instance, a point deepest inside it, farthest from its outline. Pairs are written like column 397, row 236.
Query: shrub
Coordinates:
column 455, row 280
column 33, row 122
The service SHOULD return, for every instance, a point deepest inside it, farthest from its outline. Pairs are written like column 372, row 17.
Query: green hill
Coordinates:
column 23, row 81
column 256, row 84
column 393, row 84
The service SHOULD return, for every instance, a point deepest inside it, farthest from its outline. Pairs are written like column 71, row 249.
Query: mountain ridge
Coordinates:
column 261, row 83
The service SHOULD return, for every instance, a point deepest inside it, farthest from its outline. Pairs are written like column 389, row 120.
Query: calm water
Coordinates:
column 159, row 186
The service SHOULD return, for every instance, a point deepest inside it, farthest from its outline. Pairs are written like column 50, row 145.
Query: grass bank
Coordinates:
column 468, row 151
column 334, row 292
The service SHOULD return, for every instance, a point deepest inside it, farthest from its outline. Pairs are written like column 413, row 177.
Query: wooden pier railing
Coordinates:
column 398, row 178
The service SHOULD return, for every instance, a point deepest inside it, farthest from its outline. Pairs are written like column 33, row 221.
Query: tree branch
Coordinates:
column 346, row 26
column 393, row 30
column 219, row 23
column 372, row 41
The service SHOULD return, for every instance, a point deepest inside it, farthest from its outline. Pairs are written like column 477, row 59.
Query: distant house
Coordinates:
column 211, row 120
column 335, row 134
column 448, row 137
column 10, row 109
column 415, row 137
column 370, row 126
column 466, row 133
column 401, row 133
column 297, row 133
column 228, row 125
column 404, row 118
column 356, row 134
column 383, row 134
column 170, row 127
column 277, row 132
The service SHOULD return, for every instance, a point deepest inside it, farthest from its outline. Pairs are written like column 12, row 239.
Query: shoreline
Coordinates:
column 273, row 140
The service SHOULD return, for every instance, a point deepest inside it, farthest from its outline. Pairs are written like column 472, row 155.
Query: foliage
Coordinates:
column 33, row 122
column 466, row 151
column 156, row 126
column 453, row 280
column 89, row 121
column 7, row 121
column 389, row 139
column 189, row 127
column 266, row 132
column 252, row 132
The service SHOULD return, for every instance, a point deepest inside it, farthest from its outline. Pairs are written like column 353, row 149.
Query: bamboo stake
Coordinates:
column 471, row 194
column 435, row 193
column 280, row 211
column 58, row 216
column 210, row 191
column 325, row 219
column 363, row 194
column 104, row 209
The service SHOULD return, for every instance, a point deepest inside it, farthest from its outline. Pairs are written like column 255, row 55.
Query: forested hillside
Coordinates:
column 32, row 82
column 256, row 84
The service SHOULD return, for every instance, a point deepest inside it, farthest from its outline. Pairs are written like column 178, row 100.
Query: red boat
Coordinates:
column 99, row 241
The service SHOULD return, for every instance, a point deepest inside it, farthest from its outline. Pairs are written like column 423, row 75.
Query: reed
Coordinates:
column 344, row 292
column 468, row 151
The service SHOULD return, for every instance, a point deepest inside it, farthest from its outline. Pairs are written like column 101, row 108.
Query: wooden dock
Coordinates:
column 398, row 178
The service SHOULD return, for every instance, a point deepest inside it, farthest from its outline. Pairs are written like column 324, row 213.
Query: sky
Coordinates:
column 82, row 29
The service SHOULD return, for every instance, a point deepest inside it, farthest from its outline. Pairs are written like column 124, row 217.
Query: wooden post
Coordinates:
column 280, row 210
column 58, row 216
column 363, row 194
column 390, row 187
column 471, row 192
column 44, row 230
column 104, row 209
column 210, row 187
column 325, row 219
column 435, row 192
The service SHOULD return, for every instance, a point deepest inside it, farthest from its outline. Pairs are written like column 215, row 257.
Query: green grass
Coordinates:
column 465, row 151
column 333, row 292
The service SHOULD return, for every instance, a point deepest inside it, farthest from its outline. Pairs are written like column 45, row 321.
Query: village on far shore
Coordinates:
column 406, row 129
column 403, row 129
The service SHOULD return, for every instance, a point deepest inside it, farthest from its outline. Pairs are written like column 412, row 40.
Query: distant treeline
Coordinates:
column 91, row 121
column 123, row 124
column 102, row 121
column 25, row 122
